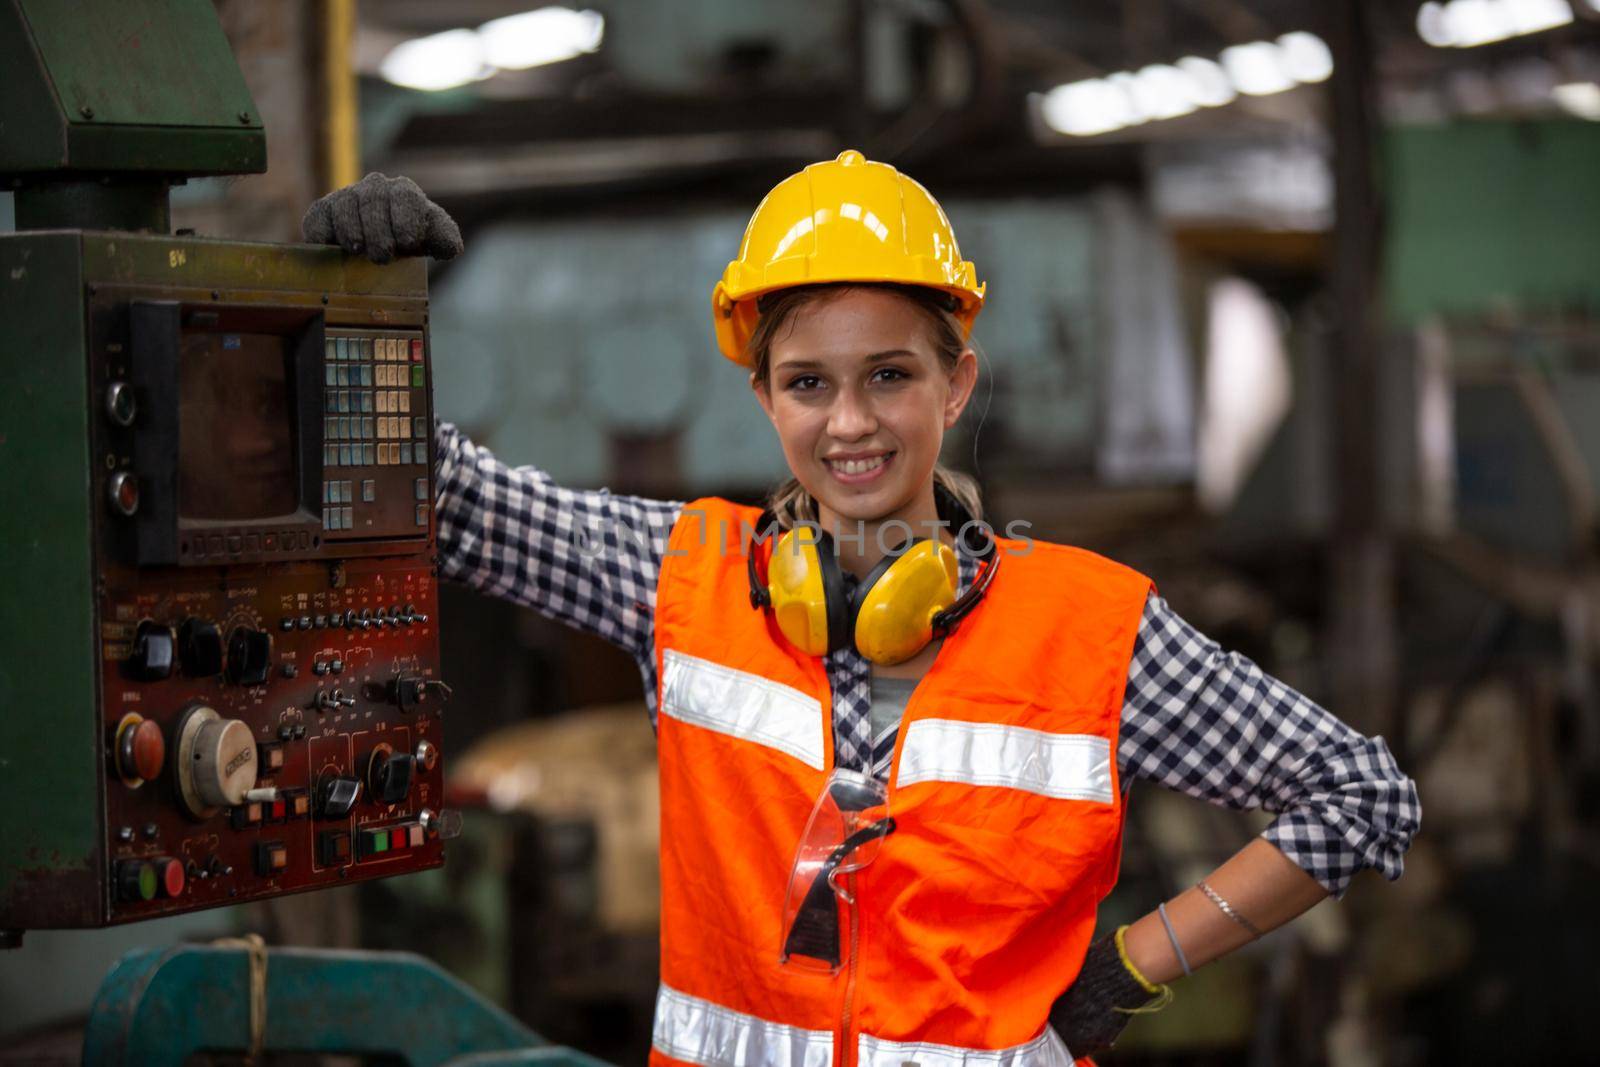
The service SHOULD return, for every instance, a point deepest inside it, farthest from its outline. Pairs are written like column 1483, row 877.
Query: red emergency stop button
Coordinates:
column 141, row 749
column 170, row 874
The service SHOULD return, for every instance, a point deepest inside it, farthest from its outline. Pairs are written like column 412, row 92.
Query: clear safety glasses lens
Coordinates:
column 847, row 826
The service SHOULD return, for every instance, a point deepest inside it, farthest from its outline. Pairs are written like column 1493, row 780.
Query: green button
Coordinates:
column 380, row 841
column 147, row 882
column 416, row 377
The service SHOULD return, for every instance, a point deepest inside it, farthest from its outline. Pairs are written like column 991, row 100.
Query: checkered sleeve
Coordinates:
column 589, row 558
column 1211, row 724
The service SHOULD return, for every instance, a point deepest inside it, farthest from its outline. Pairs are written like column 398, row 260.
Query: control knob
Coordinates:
column 152, row 656
column 249, row 655
column 200, row 648
column 389, row 776
column 336, row 797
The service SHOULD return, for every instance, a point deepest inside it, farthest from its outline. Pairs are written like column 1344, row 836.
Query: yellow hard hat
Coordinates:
column 845, row 220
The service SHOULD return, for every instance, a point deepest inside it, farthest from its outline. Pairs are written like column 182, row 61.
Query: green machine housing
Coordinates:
column 219, row 651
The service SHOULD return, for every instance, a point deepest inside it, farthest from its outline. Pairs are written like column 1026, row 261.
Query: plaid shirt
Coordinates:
column 1195, row 719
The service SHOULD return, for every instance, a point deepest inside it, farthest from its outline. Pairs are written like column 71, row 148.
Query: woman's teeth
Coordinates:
column 858, row 466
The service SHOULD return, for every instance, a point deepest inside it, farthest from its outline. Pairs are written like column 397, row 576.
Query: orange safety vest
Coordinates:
column 978, row 909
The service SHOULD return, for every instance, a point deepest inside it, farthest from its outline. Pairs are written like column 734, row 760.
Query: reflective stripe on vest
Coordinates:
column 1046, row 1050
column 697, row 1031
column 1065, row 766
column 700, row 1032
column 742, row 705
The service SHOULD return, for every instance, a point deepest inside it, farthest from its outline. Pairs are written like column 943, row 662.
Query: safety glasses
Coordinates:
column 848, row 823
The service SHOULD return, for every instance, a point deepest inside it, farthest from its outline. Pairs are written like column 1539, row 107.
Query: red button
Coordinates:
column 278, row 809
column 171, row 877
column 397, row 839
column 416, row 350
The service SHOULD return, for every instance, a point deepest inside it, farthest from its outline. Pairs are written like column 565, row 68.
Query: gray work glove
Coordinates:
column 1083, row 1015
column 381, row 218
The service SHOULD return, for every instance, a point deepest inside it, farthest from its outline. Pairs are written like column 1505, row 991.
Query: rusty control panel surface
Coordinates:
column 256, row 707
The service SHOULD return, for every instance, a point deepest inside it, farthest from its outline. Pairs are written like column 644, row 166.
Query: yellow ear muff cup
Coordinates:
column 806, row 585
column 895, row 605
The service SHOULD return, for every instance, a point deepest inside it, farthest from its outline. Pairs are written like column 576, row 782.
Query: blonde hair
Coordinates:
column 789, row 502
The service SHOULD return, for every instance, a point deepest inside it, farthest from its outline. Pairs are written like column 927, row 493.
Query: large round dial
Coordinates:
column 216, row 761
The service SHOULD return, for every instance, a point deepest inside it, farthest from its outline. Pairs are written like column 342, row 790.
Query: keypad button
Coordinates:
column 368, row 428
column 371, row 455
column 405, row 454
column 330, row 374
column 366, row 374
column 344, row 455
column 330, row 455
column 369, row 490
column 345, row 517
column 330, row 349
column 366, row 402
column 419, row 427
column 344, row 348
column 420, row 487
column 417, row 378
column 405, row 401
column 366, row 348
column 422, row 514
column 416, row 350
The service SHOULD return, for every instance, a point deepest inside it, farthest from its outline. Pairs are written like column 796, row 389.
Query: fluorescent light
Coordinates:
column 516, row 42
column 1434, row 27
column 1169, row 90
column 1306, row 57
column 1579, row 98
column 441, row 61
column 1469, row 23
column 1211, row 85
column 1256, row 68
column 1533, row 16
column 1086, row 108
column 1164, row 92
column 533, row 38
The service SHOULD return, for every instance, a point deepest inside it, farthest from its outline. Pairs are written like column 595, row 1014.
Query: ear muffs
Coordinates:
column 905, row 601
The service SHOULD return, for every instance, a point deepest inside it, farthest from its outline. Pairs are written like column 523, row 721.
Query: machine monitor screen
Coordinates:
column 235, row 426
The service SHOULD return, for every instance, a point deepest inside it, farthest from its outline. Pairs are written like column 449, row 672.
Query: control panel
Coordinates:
column 221, row 599
column 278, row 733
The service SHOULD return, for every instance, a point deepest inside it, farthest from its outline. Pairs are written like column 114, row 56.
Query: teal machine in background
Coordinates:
column 219, row 647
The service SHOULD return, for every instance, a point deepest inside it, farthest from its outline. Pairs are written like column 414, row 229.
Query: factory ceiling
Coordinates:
column 976, row 94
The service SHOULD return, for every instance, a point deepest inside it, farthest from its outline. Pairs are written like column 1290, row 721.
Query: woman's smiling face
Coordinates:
column 861, row 400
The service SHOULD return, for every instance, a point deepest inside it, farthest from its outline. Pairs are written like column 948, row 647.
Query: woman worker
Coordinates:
column 889, row 800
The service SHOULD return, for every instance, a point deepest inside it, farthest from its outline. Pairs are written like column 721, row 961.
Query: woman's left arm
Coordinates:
column 1211, row 724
